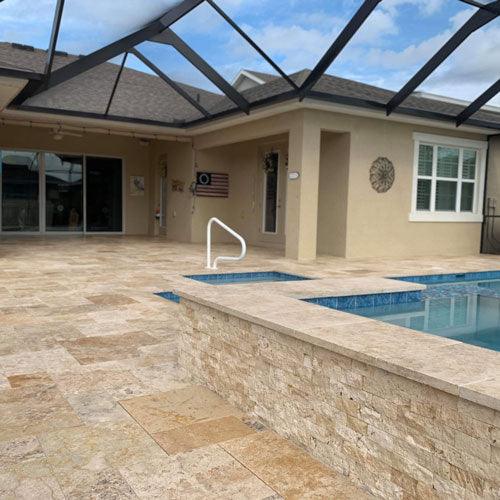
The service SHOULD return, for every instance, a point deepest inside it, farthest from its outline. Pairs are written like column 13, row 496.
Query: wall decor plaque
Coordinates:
column 382, row 174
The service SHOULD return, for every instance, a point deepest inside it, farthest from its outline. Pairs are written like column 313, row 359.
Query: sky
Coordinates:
column 397, row 39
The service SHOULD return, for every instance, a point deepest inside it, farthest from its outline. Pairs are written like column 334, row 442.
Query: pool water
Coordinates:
column 467, row 310
column 173, row 297
column 241, row 278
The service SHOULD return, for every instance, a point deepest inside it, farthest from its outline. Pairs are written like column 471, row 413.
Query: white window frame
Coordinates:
column 432, row 215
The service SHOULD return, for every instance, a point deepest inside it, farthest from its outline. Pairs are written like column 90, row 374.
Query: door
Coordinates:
column 274, row 198
column 104, row 189
column 20, row 178
column 63, row 192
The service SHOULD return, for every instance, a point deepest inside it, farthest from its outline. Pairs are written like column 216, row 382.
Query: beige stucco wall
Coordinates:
column 242, row 211
column 139, row 218
column 333, row 186
column 178, row 159
column 376, row 224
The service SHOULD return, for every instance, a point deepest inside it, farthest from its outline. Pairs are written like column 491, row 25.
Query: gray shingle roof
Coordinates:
column 138, row 95
column 145, row 96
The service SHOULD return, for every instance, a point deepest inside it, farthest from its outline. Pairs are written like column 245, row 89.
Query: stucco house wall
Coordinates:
column 353, row 219
column 378, row 224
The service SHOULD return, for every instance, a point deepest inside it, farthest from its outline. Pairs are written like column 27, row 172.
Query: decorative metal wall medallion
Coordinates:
column 382, row 174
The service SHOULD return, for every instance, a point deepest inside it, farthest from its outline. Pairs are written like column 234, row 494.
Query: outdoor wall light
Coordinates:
column 293, row 175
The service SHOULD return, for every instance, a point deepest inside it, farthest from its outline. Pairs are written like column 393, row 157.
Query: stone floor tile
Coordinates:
column 20, row 450
column 29, row 480
column 30, row 410
column 95, row 407
column 194, row 436
column 162, row 378
column 4, row 382
column 99, row 446
column 288, row 470
column 111, row 300
column 109, row 347
column 106, row 484
column 30, row 379
column 180, row 407
column 50, row 360
column 202, row 474
column 119, row 382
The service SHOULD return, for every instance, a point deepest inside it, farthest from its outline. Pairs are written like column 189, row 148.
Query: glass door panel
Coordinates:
column 103, row 194
column 271, row 193
column 20, row 191
column 63, row 192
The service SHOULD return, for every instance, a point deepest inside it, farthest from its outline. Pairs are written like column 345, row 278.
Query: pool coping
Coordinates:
column 470, row 372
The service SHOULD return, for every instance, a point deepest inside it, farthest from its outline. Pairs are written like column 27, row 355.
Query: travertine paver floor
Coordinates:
column 92, row 403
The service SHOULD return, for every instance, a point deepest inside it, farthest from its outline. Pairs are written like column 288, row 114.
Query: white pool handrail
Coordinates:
column 209, row 243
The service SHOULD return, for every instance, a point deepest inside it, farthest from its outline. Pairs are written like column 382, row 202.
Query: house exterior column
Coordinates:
column 302, row 193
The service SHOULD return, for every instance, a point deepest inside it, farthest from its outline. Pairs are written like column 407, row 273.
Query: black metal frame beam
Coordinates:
column 112, row 50
column 252, row 44
column 480, row 5
column 98, row 116
column 477, row 20
column 53, row 42
column 338, row 45
column 168, row 37
column 19, row 73
column 476, row 105
column 174, row 85
column 115, row 85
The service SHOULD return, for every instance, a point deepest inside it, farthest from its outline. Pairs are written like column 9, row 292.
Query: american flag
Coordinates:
column 212, row 185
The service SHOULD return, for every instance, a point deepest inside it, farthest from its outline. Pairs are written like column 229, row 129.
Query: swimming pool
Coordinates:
column 173, row 297
column 463, row 307
column 241, row 278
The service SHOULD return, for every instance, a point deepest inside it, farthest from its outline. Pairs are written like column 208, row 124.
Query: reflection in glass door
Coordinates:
column 20, row 190
column 63, row 192
column 271, row 193
column 103, row 194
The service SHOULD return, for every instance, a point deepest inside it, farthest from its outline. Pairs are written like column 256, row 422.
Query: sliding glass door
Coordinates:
column 63, row 192
column 20, row 191
column 52, row 192
column 104, row 194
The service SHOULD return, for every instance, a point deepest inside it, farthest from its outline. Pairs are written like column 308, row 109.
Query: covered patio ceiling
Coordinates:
column 159, row 31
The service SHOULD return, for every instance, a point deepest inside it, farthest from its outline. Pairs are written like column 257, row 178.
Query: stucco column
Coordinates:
column 302, row 194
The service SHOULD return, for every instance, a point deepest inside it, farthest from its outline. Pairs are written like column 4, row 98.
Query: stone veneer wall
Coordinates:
column 395, row 437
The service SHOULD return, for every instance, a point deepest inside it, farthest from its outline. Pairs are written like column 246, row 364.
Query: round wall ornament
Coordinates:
column 382, row 174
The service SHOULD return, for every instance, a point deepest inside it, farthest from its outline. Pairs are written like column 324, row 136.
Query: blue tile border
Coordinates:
column 250, row 277
column 431, row 279
column 368, row 300
column 169, row 296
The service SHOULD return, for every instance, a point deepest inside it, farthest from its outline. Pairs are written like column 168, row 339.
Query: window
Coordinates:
column 448, row 179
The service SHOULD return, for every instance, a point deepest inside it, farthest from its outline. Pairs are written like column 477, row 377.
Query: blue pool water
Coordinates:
column 169, row 296
column 467, row 310
column 239, row 278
